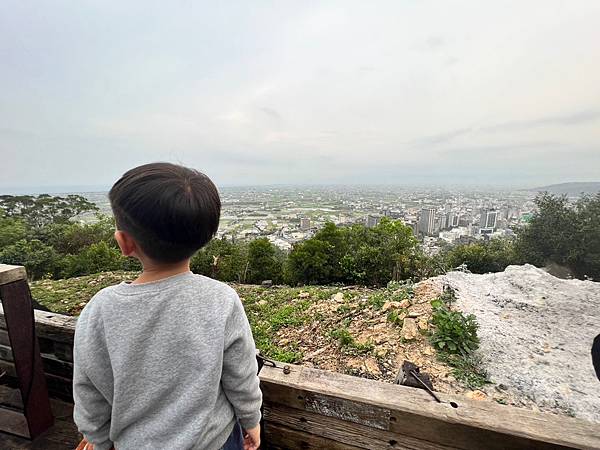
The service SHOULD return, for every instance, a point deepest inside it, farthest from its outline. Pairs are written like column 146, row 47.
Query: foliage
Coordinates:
column 483, row 257
column 69, row 296
column 223, row 260
column 11, row 230
column 347, row 342
column 355, row 254
column 311, row 262
column 455, row 338
column 40, row 259
column 95, row 258
column 467, row 369
column 564, row 234
column 454, row 333
column 265, row 261
column 45, row 209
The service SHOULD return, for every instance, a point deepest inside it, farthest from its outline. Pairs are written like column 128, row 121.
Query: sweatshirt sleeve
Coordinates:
column 239, row 379
column 92, row 412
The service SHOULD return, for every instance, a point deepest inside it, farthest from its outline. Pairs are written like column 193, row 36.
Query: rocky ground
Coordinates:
column 535, row 330
column 536, row 334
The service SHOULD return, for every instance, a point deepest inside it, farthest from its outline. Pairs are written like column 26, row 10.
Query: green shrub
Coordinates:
column 454, row 333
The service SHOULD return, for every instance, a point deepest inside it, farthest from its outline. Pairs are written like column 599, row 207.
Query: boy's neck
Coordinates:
column 154, row 272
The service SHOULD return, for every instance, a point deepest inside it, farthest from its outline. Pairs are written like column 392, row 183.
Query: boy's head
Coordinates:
column 169, row 211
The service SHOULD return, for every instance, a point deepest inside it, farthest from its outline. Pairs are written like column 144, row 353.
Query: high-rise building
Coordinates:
column 488, row 221
column 427, row 221
column 304, row 223
column 372, row 221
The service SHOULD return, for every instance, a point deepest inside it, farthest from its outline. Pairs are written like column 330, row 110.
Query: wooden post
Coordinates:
column 36, row 416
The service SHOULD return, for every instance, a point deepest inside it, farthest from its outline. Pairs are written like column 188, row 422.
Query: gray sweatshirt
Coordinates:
column 164, row 365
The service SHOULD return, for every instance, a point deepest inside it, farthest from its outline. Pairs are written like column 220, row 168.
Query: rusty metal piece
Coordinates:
column 416, row 375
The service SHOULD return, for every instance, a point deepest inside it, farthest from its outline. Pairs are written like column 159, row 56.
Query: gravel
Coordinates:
column 536, row 334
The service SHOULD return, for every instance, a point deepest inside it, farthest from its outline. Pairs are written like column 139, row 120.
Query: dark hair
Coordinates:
column 169, row 210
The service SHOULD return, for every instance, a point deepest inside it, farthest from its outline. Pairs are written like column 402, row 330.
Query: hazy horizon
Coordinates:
column 89, row 189
column 302, row 93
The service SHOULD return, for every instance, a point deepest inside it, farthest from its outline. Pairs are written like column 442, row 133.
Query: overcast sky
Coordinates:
column 253, row 92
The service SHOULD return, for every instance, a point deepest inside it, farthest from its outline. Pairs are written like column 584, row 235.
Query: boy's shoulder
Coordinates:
column 94, row 303
column 214, row 286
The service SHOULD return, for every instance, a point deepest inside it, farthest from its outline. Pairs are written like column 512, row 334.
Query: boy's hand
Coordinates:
column 252, row 438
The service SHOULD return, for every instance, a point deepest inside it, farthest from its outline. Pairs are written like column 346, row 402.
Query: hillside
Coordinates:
column 351, row 330
column 570, row 189
column 535, row 331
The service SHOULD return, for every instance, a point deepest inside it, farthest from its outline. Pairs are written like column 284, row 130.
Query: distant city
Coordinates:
column 438, row 217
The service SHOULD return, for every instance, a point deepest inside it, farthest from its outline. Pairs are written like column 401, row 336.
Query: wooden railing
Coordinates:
column 306, row 408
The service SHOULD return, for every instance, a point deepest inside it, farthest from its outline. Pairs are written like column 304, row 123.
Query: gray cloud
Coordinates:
column 578, row 118
column 336, row 91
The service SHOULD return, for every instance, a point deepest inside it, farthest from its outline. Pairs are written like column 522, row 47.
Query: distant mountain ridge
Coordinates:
column 572, row 189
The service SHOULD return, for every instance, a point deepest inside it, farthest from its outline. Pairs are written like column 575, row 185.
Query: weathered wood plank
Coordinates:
column 62, row 435
column 283, row 438
column 413, row 412
column 56, row 327
column 358, row 413
column 4, row 339
column 6, row 353
column 10, row 274
column 52, row 365
column 14, row 422
column 11, row 397
column 344, row 432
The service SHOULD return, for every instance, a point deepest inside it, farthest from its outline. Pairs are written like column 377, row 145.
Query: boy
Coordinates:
column 168, row 360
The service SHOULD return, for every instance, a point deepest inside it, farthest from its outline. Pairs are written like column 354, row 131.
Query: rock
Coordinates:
column 371, row 367
column 316, row 353
column 354, row 363
column 267, row 283
column 404, row 304
column 409, row 329
column 303, row 295
column 423, row 324
column 517, row 324
column 262, row 302
column 413, row 314
column 339, row 297
column 476, row 395
column 386, row 306
column 428, row 351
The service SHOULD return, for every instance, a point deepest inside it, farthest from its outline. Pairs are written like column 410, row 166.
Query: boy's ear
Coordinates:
column 126, row 243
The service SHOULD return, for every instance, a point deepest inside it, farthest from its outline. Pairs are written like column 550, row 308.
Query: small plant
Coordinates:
column 455, row 339
column 343, row 336
column 448, row 296
column 454, row 333
column 347, row 342
column 377, row 300
column 468, row 370
column 394, row 317
column 343, row 309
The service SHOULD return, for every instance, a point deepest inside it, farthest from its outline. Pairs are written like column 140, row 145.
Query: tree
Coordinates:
column 45, row 209
column 483, row 257
column 72, row 237
column 97, row 257
column 380, row 254
column 265, row 261
column 39, row 259
column 11, row 231
column 222, row 260
column 308, row 263
column 355, row 254
column 564, row 234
